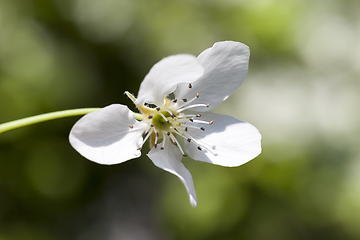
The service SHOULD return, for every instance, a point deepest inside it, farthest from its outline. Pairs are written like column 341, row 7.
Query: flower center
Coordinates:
column 160, row 121
column 169, row 121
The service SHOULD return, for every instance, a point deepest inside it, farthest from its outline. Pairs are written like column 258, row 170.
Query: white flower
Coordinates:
column 180, row 89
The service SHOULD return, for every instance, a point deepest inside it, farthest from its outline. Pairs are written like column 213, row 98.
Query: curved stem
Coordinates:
column 44, row 117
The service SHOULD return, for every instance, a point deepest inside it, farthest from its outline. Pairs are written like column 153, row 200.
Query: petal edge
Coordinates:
column 169, row 160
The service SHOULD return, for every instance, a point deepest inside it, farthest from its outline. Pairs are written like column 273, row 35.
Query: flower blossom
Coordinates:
column 173, row 101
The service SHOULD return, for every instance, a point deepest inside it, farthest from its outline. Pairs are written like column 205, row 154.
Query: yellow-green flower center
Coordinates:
column 160, row 123
column 168, row 121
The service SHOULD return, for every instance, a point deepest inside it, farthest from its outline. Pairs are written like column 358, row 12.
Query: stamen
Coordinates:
column 176, row 143
column 182, row 116
column 156, row 138
column 208, row 105
column 191, row 120
column 139, row 148
column 152, row 125
column 198, row 115
column 171, row 114
column 201, row 121
column 158, row 109
column 163, row 142
column 190, row 126
column 174, row 101
column 162, row 115
column 182, row 121
column 188, row 102
column 190, row 86
column 192, row 106
column 187, row 136
column 148, row 135
column 150, row 116
column 200, row 144
column 184, row 100
column 133, row 129
column 194, row 127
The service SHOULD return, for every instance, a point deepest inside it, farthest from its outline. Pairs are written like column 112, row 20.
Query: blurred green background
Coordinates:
column 302, row 93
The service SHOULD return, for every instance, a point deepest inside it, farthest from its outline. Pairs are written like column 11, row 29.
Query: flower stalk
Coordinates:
column 44, row 117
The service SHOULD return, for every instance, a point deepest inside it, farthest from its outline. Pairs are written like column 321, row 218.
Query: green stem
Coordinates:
column 44, row 117
column 50, row 116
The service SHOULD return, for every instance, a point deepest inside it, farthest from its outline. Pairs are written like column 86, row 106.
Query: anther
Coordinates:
column 161, row 148
column 175, row 143
column 198, row 115
column 199, row 148
column 185, row 155
column 191, row 120
column 189, row 139
column 168, row 133
column 176, row 129
column 131, row 126
column 175, row 100
column 208, row 105
column 186, row 129
column 190, row 86
column 202, row 128
column 184, row 100
column 155, row 145
column 158, row 109
column 211, row 122
column 197, row 95
column 152, row 125
column 157, row 134
column 139, row 148
column 150, row 116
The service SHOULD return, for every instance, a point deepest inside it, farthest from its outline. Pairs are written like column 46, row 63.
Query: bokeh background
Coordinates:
column 302, row 93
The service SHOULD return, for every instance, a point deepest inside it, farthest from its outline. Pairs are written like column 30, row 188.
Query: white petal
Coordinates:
column 165, row 75
column 169, row 159
column 229, row 141
column 104, row 136
column 226, row 66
